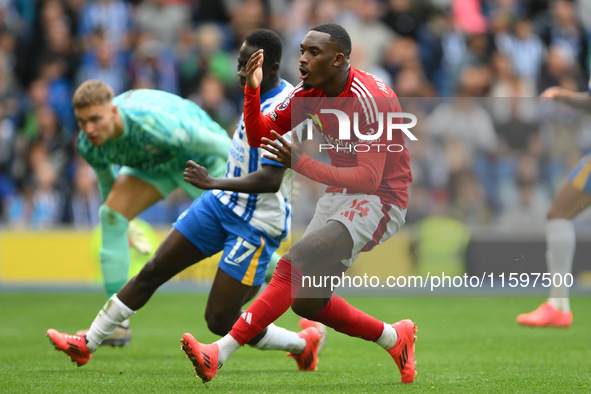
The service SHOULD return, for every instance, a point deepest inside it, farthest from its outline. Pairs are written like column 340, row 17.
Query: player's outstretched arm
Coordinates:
column 206, row 142
column 266, row 180
column 364, row 178
column 581, row 100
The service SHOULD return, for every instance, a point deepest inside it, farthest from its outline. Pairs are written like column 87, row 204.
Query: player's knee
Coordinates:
column 299, row 257
column 304, row 308
column 218, row 323
column 111, row 218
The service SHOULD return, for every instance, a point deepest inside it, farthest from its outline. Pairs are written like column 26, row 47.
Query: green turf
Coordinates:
column 464, row 345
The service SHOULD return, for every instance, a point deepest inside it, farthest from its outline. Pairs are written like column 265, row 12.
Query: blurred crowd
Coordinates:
column 496, row 160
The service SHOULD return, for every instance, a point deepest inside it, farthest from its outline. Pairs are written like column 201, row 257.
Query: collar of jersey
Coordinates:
column 274, row 91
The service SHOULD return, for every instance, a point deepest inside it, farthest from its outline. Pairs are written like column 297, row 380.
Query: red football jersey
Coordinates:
column 369, row 100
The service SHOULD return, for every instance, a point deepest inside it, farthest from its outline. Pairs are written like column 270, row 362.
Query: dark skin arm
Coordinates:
column 266, row 180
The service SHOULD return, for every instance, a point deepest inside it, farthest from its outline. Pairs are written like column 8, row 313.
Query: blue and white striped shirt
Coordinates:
column 270, row 212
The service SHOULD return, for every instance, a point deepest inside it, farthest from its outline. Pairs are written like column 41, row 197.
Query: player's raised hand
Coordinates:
column 254, row 70
column 197, row 176
column 280, row 150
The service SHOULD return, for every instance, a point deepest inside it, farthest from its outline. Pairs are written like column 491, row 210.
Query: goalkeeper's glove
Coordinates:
column 138, row 239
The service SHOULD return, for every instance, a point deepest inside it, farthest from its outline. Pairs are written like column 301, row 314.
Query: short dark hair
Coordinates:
column 269, row 41
column 338, row 36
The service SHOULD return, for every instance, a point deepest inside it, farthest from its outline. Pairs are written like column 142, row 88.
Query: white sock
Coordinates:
column 227, row 346
column 113, row 314
column 388, row 338
column 278, row 338
column 561, row 242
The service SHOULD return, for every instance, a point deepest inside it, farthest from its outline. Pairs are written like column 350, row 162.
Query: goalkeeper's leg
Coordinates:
column 128, row 197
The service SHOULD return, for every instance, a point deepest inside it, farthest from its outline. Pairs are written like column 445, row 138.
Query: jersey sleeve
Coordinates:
column 171, row 133
column 376, row 119
column 364, row 178
column 258, row 125
column 205, row 141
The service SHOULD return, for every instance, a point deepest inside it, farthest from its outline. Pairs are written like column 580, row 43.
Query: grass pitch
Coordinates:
column 464, row 345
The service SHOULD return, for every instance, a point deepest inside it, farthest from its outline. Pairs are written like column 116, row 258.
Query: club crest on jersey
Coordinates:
column 284, row 104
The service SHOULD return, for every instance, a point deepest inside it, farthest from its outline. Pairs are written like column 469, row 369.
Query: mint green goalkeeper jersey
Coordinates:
column 161, row 132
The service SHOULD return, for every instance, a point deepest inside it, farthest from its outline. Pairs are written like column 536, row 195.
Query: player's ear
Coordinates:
column 275, row 67
column 339, row 59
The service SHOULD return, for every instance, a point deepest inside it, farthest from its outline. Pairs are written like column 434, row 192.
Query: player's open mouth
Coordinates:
column 303, row 73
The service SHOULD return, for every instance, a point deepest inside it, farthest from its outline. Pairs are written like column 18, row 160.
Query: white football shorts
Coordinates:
column 369, row 222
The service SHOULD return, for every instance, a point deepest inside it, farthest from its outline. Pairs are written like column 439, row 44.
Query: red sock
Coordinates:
column 270, row 304
column 345, row 318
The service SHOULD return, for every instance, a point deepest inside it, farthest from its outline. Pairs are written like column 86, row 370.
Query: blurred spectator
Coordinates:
column 112, row 17
column 153, row 67
column 410, row 82
column 505, row 49
column 403, row 18
column 301, row 17
column 467, row 121
column 583, row 11
column 187, row 61
column 560, row 70
column 103, row 63
column 466, row 130
column 59, row 89
column 85, row 199
column 468, row 200
column 60, row 45
column 525, row 198
column 40, row 204
column 248, row 15
column 10, row 17
column 369, row 36
column 506, row 83
column 8, row 82
column 37, row 96
column 52, row 35
column 163, row 19
column 211, row 97
column 475, row 59
column 56, row 141
column 524, row 49
column 562, row 29
column 401, row 54
column 46, row 200
column 213, row 58
column 7, row 137
column 210, row 11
